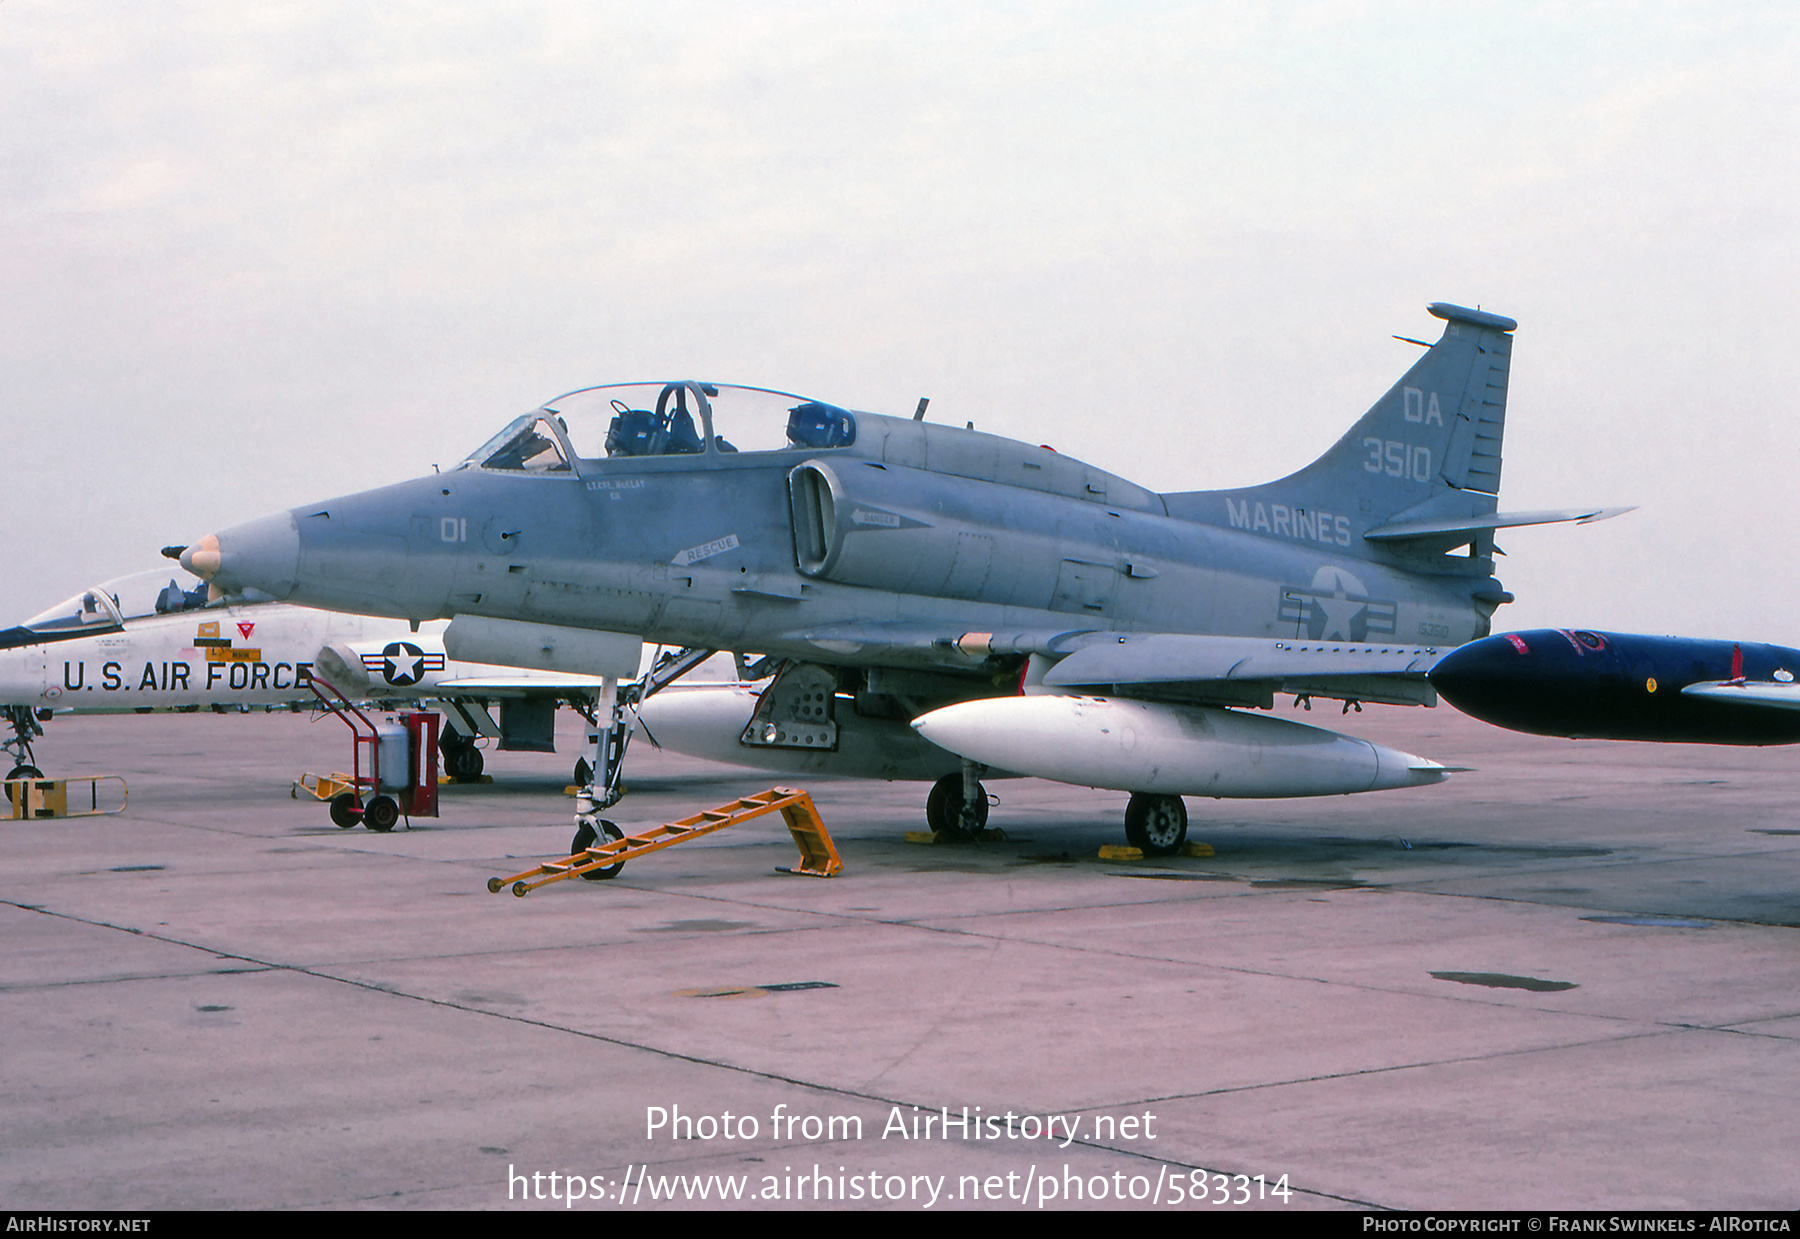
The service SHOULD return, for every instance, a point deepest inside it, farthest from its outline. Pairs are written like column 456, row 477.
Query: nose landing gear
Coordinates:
column 25, row 728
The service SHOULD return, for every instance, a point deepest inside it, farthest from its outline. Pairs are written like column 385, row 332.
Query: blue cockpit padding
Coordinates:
column 632, row 433
column 815, row 424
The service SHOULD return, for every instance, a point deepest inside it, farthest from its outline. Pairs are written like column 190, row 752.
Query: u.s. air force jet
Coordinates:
column 153, row 641
column 936, row 601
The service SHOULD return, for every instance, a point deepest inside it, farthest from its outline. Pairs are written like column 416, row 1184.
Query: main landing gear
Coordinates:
column 462, row 760
column 957, row 811
column 1157, row 824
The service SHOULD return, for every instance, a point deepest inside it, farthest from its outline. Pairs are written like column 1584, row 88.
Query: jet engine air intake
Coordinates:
column 815, row 517
column 891, row 527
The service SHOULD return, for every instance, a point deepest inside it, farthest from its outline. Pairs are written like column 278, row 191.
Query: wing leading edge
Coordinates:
column 1250, row 670
column 1200, row 670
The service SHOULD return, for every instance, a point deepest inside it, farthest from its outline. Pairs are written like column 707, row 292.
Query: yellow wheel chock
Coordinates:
column 818, row 855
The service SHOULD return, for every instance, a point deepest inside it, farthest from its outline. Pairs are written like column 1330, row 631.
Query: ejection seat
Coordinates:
column 815, row 424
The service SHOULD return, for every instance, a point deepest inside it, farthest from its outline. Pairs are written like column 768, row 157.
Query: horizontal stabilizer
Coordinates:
column 1737, row 692
column 1406, row 531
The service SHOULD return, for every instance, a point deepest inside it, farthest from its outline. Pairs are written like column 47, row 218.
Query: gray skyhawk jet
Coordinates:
column 933, row 601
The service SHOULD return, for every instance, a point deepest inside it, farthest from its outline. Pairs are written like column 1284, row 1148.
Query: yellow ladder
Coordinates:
column 39, row 798
column 818, row 855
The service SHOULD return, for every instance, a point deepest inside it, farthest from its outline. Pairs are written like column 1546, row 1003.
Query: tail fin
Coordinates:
column 1428, row 450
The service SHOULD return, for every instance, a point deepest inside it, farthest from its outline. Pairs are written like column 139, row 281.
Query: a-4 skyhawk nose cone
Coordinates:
column 202, row 558
column 262, row 555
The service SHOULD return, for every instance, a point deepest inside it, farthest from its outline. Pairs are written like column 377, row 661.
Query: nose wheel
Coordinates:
column 584, row 839
column 948, row 810
column 25, row 729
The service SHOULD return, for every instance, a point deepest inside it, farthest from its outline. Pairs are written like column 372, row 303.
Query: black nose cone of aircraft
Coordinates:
column 1533, row 681
column 1618, row 686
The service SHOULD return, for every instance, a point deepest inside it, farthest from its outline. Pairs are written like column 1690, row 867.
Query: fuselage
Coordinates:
column 261, row 654
column 814, row 552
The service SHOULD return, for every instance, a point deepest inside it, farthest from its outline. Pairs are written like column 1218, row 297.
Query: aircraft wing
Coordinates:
column 917, row 641
column 1738, row 692
column 1206, row 670
column 1249, row 670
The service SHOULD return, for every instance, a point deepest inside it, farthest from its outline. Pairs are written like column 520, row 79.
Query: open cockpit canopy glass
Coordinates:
column 636, row 420
column 109, row 605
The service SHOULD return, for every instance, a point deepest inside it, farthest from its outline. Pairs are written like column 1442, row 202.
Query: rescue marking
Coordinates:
column 706, row 550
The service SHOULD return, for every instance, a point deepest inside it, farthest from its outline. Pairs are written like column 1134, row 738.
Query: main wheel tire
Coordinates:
column 1157, row 824
column 381, row 814
column 23, row 771
column 584, row 839
column 584, row 773
column 944, row 808
column 463, row 763
column 345, row 811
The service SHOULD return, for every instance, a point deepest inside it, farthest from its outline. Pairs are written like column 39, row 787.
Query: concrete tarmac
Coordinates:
column 1567, row 979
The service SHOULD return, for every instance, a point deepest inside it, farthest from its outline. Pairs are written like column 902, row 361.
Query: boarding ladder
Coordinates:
column 818, row 855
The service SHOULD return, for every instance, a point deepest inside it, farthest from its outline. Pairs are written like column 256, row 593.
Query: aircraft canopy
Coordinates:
column 159, row 591
column 663, row 419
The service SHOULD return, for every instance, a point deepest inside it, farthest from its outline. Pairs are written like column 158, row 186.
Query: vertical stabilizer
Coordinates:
column 1429, row 448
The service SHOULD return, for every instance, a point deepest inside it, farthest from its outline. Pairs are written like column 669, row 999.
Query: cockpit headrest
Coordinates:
column 816, row 424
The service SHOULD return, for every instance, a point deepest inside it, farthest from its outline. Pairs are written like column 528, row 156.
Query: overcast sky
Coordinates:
column 257, row 255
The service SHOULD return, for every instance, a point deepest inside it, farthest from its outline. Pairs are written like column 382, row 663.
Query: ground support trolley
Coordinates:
column 393, row 766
